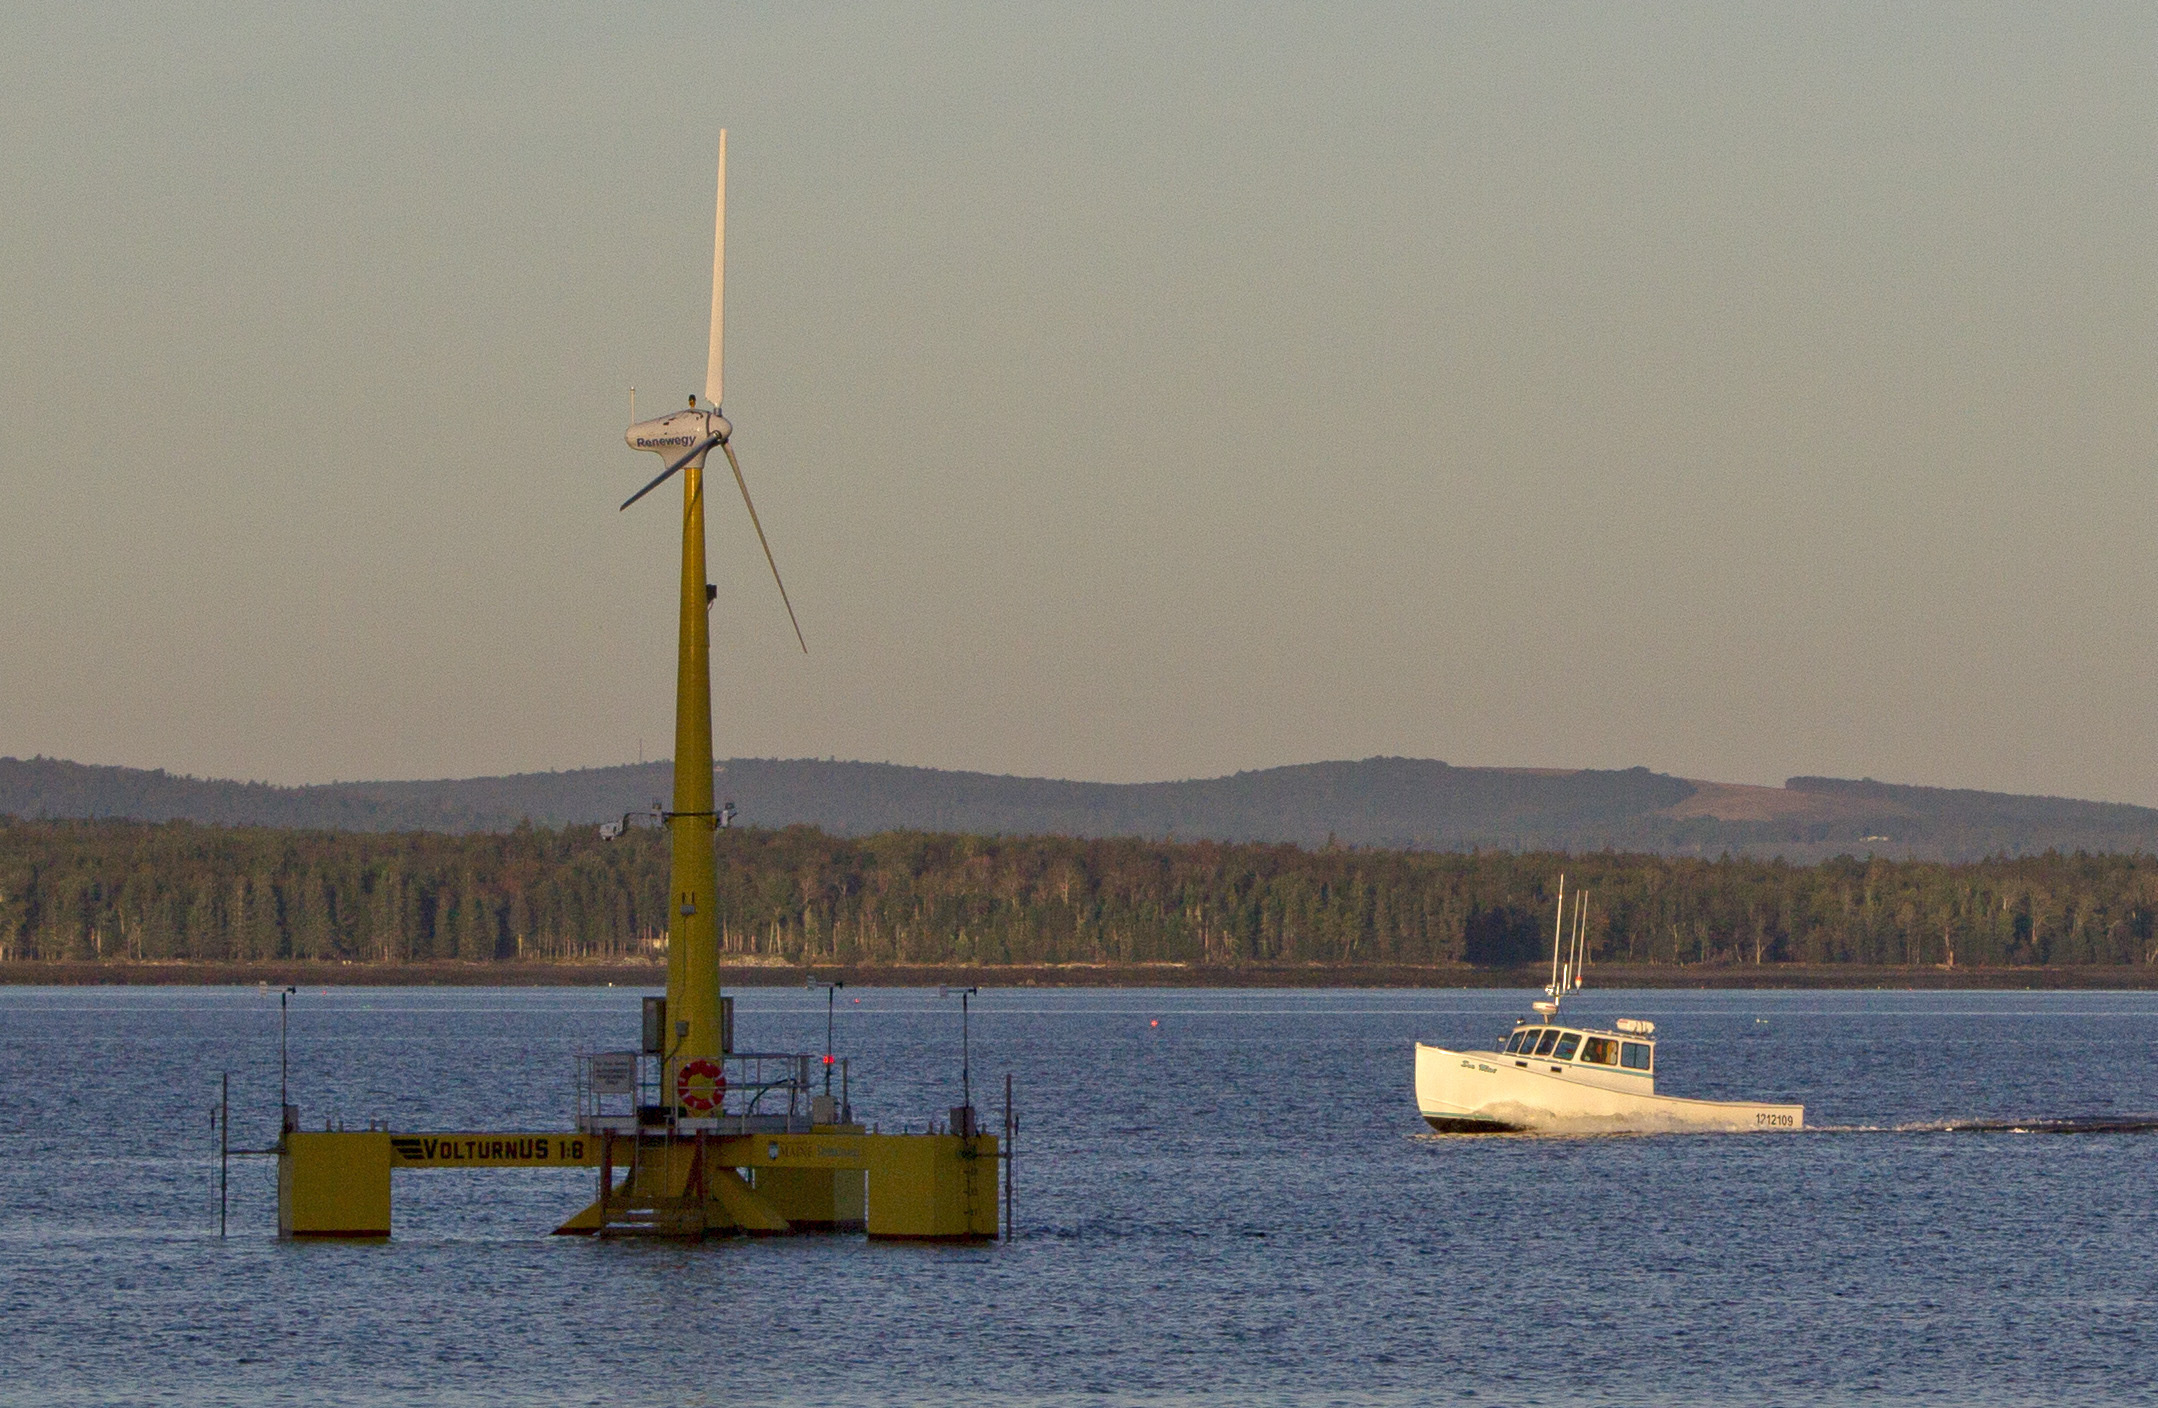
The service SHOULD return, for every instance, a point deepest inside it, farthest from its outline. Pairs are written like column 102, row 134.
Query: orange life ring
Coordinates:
column 700, row 1085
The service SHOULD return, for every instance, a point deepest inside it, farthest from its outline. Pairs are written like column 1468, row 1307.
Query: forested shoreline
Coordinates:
column 128, row 892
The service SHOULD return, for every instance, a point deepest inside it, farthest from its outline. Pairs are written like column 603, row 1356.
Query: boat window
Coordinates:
column 1513, row 1043
column 1600, row 1051
column 1634, row 1055
column 1551, row 1036
column 1567, row 1044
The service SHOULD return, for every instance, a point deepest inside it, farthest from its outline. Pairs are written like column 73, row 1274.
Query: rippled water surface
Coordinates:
column 1235, row 1204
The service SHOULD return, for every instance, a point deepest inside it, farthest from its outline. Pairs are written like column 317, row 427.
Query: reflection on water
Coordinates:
column 1221, row 1195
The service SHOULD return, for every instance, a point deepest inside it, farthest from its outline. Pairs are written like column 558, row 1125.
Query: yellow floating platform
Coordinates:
column 932, row 1187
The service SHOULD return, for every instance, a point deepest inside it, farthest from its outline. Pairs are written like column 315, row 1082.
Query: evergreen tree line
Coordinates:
column 133, row 891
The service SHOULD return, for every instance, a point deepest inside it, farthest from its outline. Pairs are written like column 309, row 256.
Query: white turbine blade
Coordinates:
column 719, row 283
column 743, row 485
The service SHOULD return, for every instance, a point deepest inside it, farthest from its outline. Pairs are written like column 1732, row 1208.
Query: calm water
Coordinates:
column 1235, row 1205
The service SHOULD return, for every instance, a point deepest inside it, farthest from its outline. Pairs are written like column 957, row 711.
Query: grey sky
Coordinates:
column 1130, row 391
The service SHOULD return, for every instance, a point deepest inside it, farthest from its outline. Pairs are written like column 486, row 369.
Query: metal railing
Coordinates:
column 761, row 1086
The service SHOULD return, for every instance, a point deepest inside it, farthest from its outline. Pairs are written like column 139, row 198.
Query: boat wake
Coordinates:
column 2074, row 1124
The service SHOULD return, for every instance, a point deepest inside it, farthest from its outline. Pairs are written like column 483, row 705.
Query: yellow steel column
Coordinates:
column 693, row 943
column 333, row 1185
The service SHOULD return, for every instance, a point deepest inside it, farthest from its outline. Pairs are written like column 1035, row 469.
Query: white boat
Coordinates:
column 1552, row 1077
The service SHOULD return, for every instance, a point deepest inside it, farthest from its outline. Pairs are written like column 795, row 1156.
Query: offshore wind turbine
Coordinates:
column 696, row 1045
column 815, row 1168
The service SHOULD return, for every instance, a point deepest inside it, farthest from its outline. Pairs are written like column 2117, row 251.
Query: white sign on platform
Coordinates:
column 614, row 1073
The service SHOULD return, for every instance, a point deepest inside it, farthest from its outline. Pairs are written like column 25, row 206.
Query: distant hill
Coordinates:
column 1393, row 802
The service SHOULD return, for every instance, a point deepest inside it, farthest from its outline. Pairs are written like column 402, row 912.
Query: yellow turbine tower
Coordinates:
column 694, row 1048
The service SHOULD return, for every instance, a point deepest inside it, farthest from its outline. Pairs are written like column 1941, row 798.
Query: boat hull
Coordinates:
column 1483, row 1092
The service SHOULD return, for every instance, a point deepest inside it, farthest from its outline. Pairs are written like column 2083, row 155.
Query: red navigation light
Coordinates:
column 827, row 1058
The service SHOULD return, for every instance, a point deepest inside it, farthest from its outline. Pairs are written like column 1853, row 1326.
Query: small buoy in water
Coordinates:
column 1155, row 1023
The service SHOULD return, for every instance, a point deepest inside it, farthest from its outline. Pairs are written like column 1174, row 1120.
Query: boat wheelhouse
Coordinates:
column 1620, row 1058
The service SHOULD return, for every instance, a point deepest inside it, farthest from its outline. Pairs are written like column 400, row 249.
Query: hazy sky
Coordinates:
column 1130, row 392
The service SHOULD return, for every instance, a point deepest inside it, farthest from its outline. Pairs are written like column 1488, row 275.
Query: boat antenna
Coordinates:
column 1584, row 932
column 1566, row 967
column 1558, row 933
column 1573, row 969
column 1581, row 899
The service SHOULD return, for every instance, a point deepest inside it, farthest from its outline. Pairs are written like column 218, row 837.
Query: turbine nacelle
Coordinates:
column 670, row 437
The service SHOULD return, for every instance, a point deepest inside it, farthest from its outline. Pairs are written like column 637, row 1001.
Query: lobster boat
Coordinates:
column 1555, row 1077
